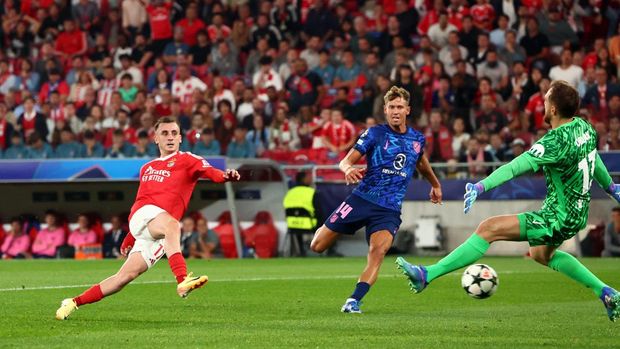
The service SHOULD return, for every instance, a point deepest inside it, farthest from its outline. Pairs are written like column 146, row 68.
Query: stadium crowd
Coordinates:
column 53, row 237
column 88, row 78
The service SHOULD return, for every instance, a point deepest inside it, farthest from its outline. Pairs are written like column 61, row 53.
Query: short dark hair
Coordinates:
column 88, row 134
column 265, row 60
column 565, row 98
column 300, row 177
column 166, row 120
column 616, row 209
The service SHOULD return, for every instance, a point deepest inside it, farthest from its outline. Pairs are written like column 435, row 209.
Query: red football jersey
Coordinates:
column 159, row 18
column 536, row 107
column 168, row 182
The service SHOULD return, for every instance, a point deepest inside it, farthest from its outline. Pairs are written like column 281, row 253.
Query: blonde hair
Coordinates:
column 396, row 92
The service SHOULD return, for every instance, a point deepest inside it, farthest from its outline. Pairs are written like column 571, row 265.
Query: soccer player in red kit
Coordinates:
column 166, row 185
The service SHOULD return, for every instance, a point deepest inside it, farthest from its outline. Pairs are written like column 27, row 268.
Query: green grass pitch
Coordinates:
column 296, row 303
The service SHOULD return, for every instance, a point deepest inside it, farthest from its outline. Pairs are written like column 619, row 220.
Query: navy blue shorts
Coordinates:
column 355, row 213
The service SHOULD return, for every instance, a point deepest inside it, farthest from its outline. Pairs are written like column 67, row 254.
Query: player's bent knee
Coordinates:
column 317, row 246
column 488, row 230
column 378, row 251
column 539, row 257
column 164, row 225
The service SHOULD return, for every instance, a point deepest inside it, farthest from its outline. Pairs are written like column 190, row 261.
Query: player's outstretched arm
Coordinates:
column 602, row 177
column 503, row 174
column 351, row 174
column 424, row 167
column 219, row 176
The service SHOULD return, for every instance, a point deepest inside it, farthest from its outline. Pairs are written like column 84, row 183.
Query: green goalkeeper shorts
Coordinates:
column 542, row 228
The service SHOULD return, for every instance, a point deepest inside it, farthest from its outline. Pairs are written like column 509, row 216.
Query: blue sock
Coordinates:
column 360, row 290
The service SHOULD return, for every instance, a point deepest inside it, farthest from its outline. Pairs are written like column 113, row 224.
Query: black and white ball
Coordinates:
column 479, row 281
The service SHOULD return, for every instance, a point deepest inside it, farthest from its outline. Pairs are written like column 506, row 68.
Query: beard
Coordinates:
column 547, row 118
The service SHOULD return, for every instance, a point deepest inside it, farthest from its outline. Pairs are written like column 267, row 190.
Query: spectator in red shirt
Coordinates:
column 489, row 117
column 71, row 42
column 198, row 124
column 122, row 123
column 438, row 139
column 218, row 30
column 456, row 11
column 431, row 17
column 191, row 25
column 55, row 84
column 6, row 130
column 338, row 134
column 161, row 28
column 483, row 15
column 535, row 108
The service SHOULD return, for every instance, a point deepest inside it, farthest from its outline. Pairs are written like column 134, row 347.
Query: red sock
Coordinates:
column 177, row 264
column 91, row 295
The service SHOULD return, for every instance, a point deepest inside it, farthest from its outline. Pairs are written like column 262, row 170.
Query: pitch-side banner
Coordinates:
column 78, row 169
column 524, row 188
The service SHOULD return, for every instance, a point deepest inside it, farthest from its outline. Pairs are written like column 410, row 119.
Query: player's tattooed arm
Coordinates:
column 424, row 167
column 352, row 175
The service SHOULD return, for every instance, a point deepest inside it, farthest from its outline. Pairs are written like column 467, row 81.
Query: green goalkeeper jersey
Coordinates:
column 567, row 155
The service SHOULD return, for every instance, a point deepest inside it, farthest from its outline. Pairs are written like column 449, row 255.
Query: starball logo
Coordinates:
column 152, row 174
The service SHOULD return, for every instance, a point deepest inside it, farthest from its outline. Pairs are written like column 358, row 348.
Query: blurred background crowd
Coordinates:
column 88, row 78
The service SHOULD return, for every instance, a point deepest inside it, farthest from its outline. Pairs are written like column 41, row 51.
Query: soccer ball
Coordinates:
column 479, row 281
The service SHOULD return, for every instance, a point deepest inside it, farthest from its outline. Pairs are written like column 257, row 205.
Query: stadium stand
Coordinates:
column 299, row 80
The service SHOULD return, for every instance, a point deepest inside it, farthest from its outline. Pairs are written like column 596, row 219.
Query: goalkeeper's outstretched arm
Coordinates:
column 602, row 177
column 506, row 172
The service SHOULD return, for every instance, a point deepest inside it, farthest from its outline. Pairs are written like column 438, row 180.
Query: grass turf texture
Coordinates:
column 296, row 303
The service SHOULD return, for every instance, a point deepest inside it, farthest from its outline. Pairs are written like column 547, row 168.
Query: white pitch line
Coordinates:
column 268, row 278
column 150, row 282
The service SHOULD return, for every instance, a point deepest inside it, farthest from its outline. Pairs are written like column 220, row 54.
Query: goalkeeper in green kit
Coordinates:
column 567, row 154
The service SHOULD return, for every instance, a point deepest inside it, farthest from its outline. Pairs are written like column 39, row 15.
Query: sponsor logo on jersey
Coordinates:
column 581, row 140
column 152, row 174
column 400, row 161
column 333, row 218
column 417, row 147
column 537, row 150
